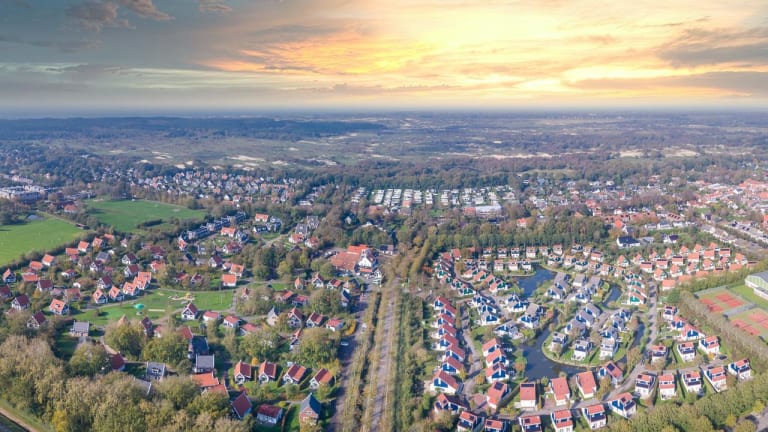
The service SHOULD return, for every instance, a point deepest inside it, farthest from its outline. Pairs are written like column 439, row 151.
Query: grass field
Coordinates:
column 159, row 303
column 125, row 215
column 39, row 235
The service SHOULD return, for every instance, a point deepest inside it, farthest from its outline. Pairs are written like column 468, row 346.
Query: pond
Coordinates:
column 613, row 295
column 528, row 284
column 539, row 366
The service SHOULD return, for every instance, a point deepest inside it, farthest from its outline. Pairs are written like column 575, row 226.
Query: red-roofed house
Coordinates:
column 295, row 374
column 243, row 372
column 559, row 388
column 267, row 372
column 322, row 377
column 528, row 398
column 562, row 421
column 497, row 395
column 58, row 307
column 585, row 381
column 241, row 406
column 189, row 312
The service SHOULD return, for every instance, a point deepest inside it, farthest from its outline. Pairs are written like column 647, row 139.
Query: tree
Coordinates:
column 216, row 405
column 180, row 391
column 88, row 360
column 171, row 348
column 325, row 301
column 317, row 346
column 262, row 344
column 126, row 338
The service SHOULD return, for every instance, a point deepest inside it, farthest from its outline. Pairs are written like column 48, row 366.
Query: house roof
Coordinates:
column 527, row 391
column 241, row 405
column 268, row 369
column 243, row 369
column 271, row 411
column 312, row 404
column 204, row 361
column 595, row 409
column 447, row 378
column 296, row 372
column 560, row 387
column 586, row 380
column 38, row 317
column 323, row 376
column 205, row 380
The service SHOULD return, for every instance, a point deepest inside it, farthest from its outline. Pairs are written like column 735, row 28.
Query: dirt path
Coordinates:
column 382, row 375
column 5, row 413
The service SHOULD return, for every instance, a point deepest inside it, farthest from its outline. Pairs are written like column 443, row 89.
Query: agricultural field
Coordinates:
column 125, row 215
column 159, row 303
column 38, row 235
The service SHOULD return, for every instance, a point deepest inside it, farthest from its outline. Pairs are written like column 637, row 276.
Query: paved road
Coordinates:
column 382, row 374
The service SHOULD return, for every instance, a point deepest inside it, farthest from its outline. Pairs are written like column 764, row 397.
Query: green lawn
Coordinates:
column 748, row 294
column 65, row 344
column 159, row 303
column 40, row 235
column 125, row 215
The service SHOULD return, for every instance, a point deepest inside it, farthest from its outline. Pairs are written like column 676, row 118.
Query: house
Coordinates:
column 99, row 297
column 710, row 345
column 211, row 317
column 315, row 320
column 495, row 357
column 241, row 406
column 585, row 382
column 530, row 423
column 612, row 371
column 21, row 302
column 528, row 397
column 452, row 366
column 204, row 363
column 623, row 405
column 559, row 388
column 644, row 385
column 295, row 374
column 496, row 372
column 451, row 404
column 496, row 425
column 231, row 322
column 243, row 372
column 269, row 414
column 155, row 371
column 44, row 285
column 562, row 420
column 295, row 318
column 104, row 283
column 267, row 372
column 716, row 376
column 687, row 351
column 229, row 280
column 581, row 349
column 497, row 395
column 334, row 324
column 322, row 377
column 625, row 242
column 692, row 382
column 115, row 294
column 595, row 416
column 469, row 422
column 310, row 410
column 206, row 380
column 667, row 386
column 608, row 347
column 36, row 321
column 58, row 307
column 48, row 260
column 659, row 353
column 494, row 344
column 189, row 312
column 455, row 352
column 690, row 333
column 131, row 270
column 558, row 341
column 9, row 276
column 444, row 382
column 5, row 292
column 741, row 369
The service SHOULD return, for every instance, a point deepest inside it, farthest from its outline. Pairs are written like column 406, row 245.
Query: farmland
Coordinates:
column 125, row 215
column 38, row 235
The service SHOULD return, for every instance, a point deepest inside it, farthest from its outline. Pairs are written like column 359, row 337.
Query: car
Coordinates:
column 723, row 357
column 344, row 343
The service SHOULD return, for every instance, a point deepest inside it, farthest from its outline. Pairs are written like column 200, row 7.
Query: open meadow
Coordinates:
column 126, row 215
column 38, row 235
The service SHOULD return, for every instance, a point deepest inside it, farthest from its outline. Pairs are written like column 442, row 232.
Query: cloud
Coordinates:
column 751, row 83
column 145, row 9
column 94, row 15
column 697, row 47
column 61, row 45
column 213, row 6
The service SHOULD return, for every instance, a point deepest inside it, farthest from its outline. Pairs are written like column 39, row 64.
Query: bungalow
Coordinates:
column 58, row 307
column 659, row 353
column 559, row 388
column 9, row 276
column 507, row 330
column 716, row 376
column 612, row 371
column 692, row 382
column 495, row 357
column 710, row 345
column 295, row 318
column 211, row 317
column 667, row 386
column 690, row 333
column 497, row 395
column 469, row 422
column 269, row 414
column 562, row 421
column 496, row 372
column 241, row 406
column 496, row 425
column 608, row 347
column 206, row 380
column 267, row 372
column 595, row 416
column 558, row 341
column 190, row 312
column 670, row 312
column 585, row 382
column 115, row 294
column 451, row 404
column 154, row 371
column 530, row 423
column 455, row 352
column 528, row 397
column 229, row 280
column 231, row 322
column 335, row 324
column 322, row 377
column 741, row 369
column 21, row 302
column 131, row 270
column 130, row 289
column 644, row 385
column 494, row 344
column 687, row 351
column 129, row 259
column 315, row 320
column 623, row 405
column 243, row 372
column 80, row 329
column 444, row 382
column 452, row 366
column 581, row 349
column 44, row 285
column 104, row 283
column 48, row 260
column 36, row 320
column 295, row 374
column 99, row 297
column 204, row 363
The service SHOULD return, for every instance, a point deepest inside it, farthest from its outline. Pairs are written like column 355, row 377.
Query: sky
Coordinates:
column 143, row 55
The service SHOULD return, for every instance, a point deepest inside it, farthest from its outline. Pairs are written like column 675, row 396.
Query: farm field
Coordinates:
column 125, row 215
column 161, row 302
column 38, row 235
